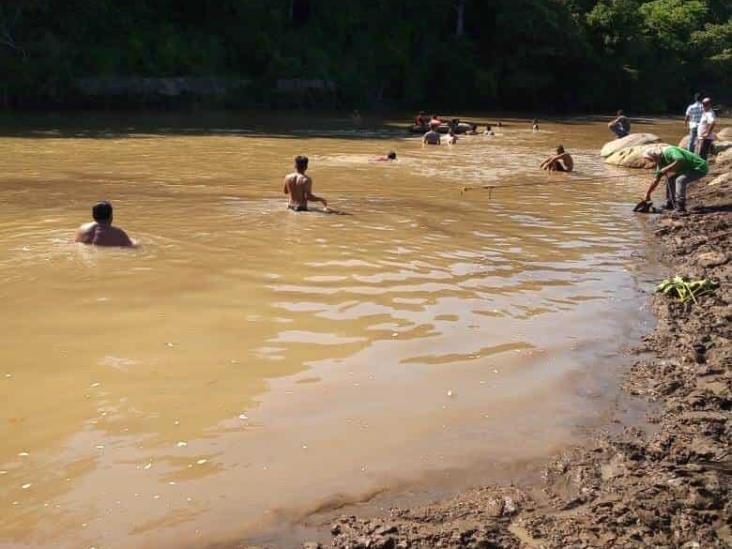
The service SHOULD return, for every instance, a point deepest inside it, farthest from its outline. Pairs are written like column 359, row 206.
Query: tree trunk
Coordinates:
column 460, row 23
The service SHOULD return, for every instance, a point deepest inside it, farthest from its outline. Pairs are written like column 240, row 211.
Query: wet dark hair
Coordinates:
column 102, row 211
column 391, row 155
column 488, row 128
column 560, row 149
column 301, row 161
column 698, row 96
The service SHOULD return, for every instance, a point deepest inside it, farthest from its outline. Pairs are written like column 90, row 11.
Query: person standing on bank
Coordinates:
column 300, row 187
column 692, row 118
column 706, row 128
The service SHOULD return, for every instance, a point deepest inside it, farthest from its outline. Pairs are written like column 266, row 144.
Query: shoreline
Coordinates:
column 668, row 487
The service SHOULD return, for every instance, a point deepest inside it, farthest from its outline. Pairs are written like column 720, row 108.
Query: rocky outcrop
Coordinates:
column 632, row 157
column 632, row 140
column 724, row 159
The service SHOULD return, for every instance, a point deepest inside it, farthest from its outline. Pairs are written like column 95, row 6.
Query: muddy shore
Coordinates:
column 667, row 486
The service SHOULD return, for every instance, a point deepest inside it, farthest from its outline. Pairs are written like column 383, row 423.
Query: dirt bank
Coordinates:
column 668, row 487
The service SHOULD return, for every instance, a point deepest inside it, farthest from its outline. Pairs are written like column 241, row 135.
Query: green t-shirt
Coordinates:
column 690, row 162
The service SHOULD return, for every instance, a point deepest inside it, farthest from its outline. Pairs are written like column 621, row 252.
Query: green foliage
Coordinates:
column 520, row 54
column 684, row 289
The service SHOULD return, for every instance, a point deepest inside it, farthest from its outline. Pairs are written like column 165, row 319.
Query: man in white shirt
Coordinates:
column 692, row 118
column 706, row 128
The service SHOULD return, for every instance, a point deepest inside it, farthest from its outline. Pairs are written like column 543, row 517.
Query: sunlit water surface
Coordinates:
column 248, row 364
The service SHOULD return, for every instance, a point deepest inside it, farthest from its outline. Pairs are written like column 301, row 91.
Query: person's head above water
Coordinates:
column 102, row 212
column 560, row 149
column 301, row 163
column 391, row 155
column 488, row 128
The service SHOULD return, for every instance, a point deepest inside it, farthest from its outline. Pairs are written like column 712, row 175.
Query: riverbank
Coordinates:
column 667, row 486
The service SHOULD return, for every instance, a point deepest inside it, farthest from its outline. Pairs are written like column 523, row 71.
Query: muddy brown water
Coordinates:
column 248, row 365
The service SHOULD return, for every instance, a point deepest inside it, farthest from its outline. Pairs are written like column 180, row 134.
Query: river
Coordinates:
column 247, row 365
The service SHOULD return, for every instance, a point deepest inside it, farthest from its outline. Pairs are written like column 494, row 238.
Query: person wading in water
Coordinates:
column 560, row 162
column 100, row 232
column 300, row 187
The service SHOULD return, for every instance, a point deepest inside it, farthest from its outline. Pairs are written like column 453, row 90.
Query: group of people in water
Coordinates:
column 680, row 166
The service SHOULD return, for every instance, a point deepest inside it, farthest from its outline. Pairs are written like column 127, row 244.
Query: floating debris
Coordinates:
column 170, row 344
column 201, row 461
column 450, row 393
column 26, row 485
column 23, row 454
column 95, row 384
column 243, row 417
column 148, row 465
column 182, row 444
column 99, row 447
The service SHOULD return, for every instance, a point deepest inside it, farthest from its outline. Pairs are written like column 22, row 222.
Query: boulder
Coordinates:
column 632, row 140
column 724, row 178
column 632, row 157
column 724, row 159
column 721, row 146
column 725, row 134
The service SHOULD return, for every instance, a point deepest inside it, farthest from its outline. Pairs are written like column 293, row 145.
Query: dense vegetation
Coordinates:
column 552, row 55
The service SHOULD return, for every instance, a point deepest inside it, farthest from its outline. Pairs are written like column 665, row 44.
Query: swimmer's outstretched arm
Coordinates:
column 313, row 198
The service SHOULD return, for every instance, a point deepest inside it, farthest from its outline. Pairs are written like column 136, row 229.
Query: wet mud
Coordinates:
column 667, row 486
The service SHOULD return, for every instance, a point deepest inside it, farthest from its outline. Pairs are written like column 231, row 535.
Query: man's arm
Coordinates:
column 285, row 186
column 653, row 186
column 84, row 233
column 311, row 196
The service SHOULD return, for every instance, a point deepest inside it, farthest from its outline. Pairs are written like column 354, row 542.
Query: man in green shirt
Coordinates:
column 680, row 167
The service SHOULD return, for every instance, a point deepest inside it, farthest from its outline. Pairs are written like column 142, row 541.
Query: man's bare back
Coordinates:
column 102, row 235
column 300, row 187
column 100, row 232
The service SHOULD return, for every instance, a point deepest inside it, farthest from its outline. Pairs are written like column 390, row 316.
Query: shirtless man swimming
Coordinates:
column 560, row 162
column 100, row 232
column 300, row 187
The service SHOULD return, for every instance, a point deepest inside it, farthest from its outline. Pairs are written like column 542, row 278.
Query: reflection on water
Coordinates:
column 248, row 363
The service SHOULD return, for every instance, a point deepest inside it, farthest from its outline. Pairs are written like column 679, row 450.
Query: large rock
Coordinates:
column 724, row 178
column 632, row 157
column 725, row 134
column 632, row 140
column 721, row 146
column 724, row 159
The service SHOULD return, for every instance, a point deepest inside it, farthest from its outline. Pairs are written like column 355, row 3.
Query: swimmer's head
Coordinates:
column 697, row 96
column 560, row 149
column 621, row 112
column 301, row 163
column 391, row 155
column 102, row 212
column 488, row 128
